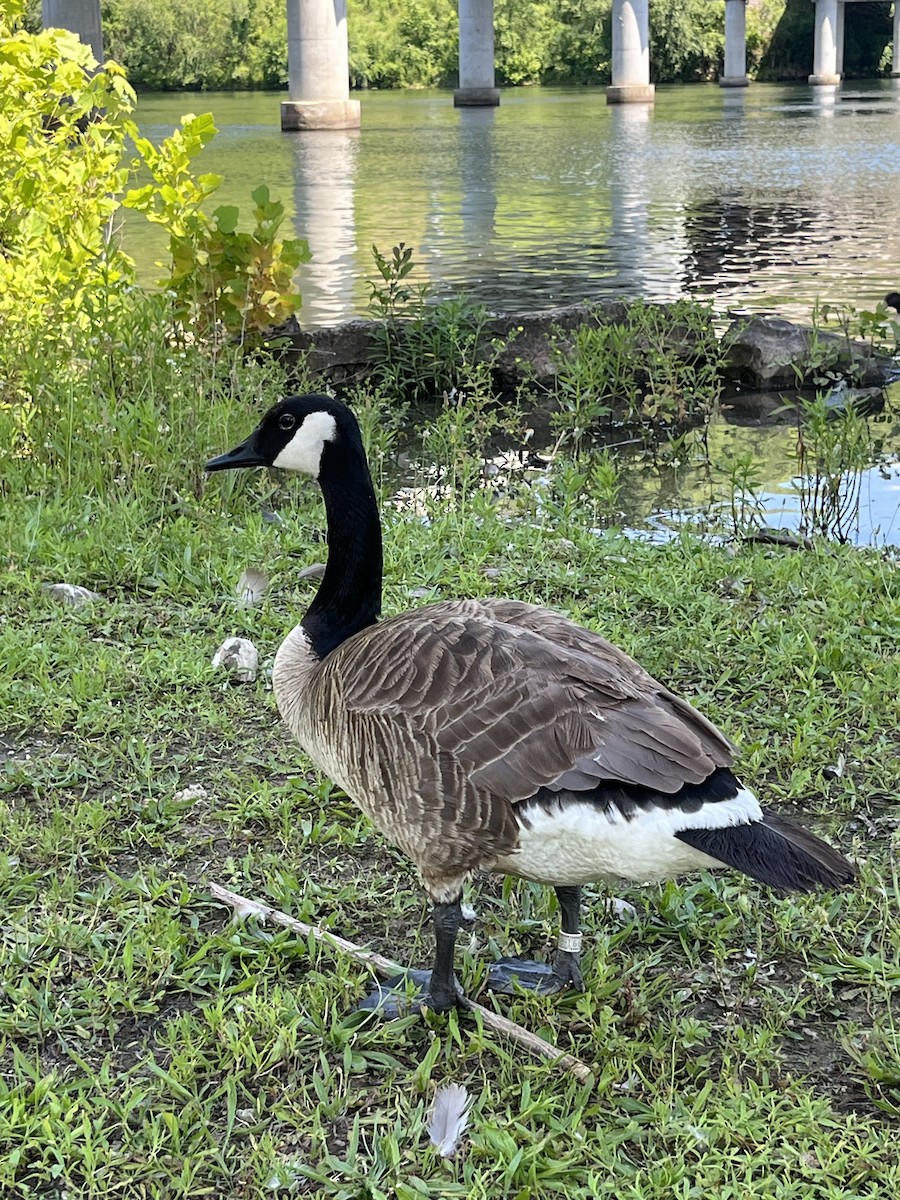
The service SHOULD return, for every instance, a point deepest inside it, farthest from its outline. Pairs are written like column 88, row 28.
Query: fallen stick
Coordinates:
column 386, row 967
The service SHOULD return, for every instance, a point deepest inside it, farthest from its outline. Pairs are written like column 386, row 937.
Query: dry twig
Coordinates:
column 386, row 967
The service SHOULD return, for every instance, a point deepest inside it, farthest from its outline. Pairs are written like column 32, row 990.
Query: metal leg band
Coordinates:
column 570, row 942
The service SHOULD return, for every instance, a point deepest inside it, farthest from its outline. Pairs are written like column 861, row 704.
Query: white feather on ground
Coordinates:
column 252, row 586
column 313, row 571
column 244, row 908
column 449, row 1117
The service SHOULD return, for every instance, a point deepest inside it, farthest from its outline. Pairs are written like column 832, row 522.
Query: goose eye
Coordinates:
column 287, row 420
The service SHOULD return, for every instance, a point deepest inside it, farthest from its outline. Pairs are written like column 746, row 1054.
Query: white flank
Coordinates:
column 303, row 452
column 579, row 843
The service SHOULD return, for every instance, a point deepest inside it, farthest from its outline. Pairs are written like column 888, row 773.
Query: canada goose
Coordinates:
column 495, row 735
column 892, row 300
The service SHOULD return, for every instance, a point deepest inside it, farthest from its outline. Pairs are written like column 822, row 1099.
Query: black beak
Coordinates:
column 244, row 455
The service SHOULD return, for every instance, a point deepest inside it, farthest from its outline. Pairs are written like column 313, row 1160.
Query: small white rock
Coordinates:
column 196, row 791
column 239, row 657
column 71, row 594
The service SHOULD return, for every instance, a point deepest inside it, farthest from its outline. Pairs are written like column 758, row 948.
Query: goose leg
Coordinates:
column 437, row 988
column 567, row 959
column 442, row 989
column 565, row 970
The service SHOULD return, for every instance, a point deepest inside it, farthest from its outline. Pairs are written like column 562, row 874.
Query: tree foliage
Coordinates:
column 198, row 43
column 209, row 44
column 413, row 44
column 687, row 40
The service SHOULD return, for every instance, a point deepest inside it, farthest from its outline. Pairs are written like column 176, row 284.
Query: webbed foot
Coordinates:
column 408, row 994
column 546, row 979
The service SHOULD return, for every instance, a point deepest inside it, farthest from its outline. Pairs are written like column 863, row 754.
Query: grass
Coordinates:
column 744, row 1045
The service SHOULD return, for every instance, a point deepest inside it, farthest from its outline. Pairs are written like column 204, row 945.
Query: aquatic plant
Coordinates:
column 743, row 481
column 425, row 348
column 658, row 370
column 834, row 447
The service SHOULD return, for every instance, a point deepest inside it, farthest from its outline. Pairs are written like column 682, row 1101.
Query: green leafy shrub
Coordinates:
column 63, row 130
column 64, row 165
column 220, row 277
column 87, row 356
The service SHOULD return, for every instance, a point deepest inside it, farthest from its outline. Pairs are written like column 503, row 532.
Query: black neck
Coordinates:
column 349, row 596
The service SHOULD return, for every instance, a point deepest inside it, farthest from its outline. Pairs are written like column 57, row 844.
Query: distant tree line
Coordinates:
column 215, row 44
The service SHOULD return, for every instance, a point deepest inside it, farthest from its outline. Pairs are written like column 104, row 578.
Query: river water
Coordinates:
column 764, row 199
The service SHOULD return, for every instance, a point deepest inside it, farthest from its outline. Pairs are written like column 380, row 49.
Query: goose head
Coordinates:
column 300, row 433
column 892, row 300
column 318, row 436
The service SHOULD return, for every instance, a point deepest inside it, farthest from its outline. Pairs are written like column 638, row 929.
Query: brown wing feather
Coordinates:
column 467, row 707
column 564, row 632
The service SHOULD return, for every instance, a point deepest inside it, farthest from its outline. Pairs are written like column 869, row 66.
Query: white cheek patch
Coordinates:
column 304, row 451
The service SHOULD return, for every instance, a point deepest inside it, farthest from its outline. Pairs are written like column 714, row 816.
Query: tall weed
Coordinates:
column 425, row 350
column 660, row 370
column 833, row 450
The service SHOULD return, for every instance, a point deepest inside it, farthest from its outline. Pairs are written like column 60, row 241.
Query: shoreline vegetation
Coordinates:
column 198, row 44
column 742, row 1044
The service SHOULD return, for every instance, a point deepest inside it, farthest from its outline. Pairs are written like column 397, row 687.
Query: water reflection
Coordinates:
column 657, row 502
column 477, row 174
column 324, row 167
column 825, row 99
column 629, row 201
column 733, row 243
column 733, row 103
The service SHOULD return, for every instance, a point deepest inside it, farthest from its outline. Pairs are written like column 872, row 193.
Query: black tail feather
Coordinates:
column 776, row 852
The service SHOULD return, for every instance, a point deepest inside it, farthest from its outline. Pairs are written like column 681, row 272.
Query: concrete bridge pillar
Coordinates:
column 630, row 53
column 79, row 16
column 895, row 69
column 476, row 55
column 734, row 73
column 318, row 67
column 839, row 39
column 825, row 55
